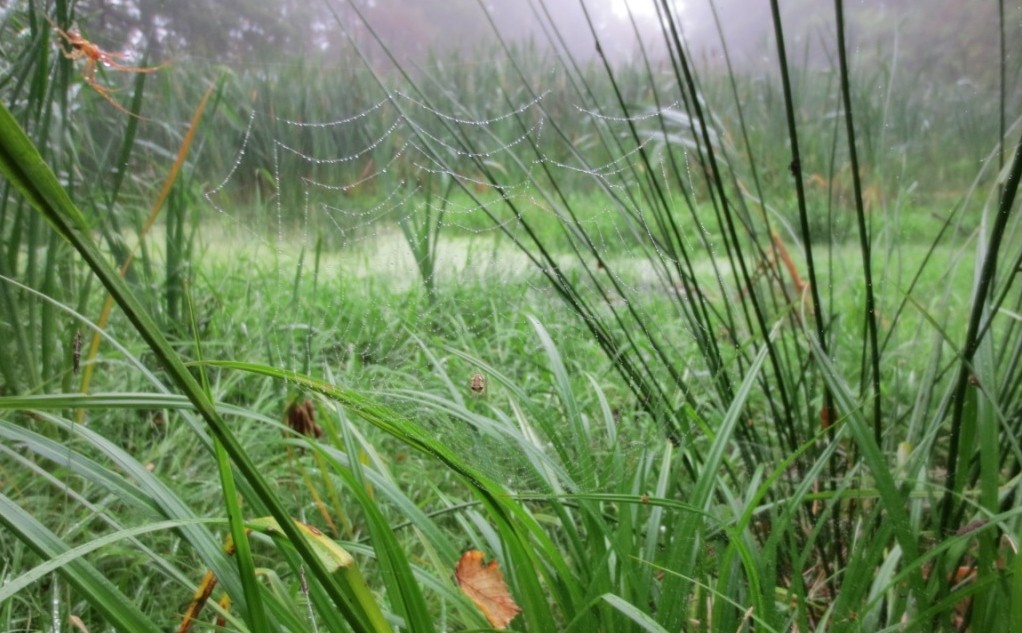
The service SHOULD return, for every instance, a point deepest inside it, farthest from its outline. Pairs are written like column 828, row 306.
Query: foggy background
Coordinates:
column 946, row 39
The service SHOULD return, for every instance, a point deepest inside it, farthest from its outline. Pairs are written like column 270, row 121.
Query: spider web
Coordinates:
column 412, row 195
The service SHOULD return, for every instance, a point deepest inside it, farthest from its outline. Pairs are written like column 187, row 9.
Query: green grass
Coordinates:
column 676, row 433
column 469, row 328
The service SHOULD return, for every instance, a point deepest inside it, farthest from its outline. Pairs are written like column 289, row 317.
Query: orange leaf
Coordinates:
column 485, row 586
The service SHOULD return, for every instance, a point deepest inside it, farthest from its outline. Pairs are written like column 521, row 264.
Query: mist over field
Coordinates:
column 950, row 39
column 386, row 316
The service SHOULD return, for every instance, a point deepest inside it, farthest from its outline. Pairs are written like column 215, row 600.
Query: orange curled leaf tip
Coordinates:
column 484, row 585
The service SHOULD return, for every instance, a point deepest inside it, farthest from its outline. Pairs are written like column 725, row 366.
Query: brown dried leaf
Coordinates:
column 301, row 417
column 485, row 586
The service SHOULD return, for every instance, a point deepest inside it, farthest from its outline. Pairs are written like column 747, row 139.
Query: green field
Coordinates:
column 282, row 339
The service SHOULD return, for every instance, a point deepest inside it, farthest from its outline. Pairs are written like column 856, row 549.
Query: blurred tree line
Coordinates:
column 949, row 40
column 943, row 40
column 238, row 31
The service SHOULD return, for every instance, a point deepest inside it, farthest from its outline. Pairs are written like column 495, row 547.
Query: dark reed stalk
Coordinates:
column 870, row 315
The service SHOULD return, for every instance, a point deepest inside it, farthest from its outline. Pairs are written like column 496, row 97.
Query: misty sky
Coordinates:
column 955, row 39
column 419, row 25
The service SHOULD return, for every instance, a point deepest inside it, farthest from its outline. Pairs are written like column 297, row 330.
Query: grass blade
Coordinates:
column 115, row 607
column 21, row 163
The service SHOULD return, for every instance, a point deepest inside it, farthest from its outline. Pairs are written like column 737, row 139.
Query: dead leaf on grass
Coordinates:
column 485, row 586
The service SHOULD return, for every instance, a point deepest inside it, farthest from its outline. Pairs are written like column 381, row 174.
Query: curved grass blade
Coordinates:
column 524, row 560
column 691, row 532
column 115, row 607
column 406, row 597
column 875, row 461
column 338, row 562
column 22, row 165
column 55, row 563
column 108, row 303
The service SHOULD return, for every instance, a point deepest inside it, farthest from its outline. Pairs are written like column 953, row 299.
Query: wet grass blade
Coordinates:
column 21, row 164
column 115, row 607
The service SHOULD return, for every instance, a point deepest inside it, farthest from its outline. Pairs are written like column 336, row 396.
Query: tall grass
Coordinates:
column 822, row 375
column 777, row 458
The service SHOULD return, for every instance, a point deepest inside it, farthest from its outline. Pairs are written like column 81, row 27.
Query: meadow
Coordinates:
column 681, row 347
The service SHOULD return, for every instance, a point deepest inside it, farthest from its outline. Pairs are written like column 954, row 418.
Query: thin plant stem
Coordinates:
column 973, row 338
column 860, row 214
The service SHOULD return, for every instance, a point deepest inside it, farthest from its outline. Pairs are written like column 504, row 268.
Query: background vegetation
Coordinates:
column 749, row 334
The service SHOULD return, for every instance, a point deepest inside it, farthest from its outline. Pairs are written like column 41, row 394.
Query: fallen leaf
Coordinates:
column 485, row 586
column 301, row 417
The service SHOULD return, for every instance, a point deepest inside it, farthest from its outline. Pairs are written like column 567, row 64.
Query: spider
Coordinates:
column 477, row 383
column 82, row 48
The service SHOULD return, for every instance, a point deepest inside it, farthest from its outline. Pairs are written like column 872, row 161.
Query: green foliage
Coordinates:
column 780, row 389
